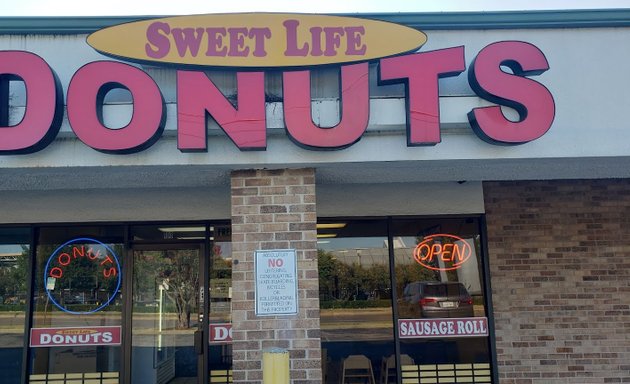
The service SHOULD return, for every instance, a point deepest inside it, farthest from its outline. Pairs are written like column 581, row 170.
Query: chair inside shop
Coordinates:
column 221, row 376
column 388, row 368
column 357, row 369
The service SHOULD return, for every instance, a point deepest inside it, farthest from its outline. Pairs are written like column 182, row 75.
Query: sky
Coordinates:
column 184, row 7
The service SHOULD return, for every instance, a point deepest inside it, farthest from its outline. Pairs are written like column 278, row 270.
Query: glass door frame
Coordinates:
column 205, row 247
column 201, row 335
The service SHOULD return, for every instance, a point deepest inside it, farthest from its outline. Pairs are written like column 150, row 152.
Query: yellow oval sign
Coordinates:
column 256, row 40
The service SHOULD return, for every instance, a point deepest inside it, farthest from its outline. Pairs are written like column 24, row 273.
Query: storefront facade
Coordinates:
column 392, row 224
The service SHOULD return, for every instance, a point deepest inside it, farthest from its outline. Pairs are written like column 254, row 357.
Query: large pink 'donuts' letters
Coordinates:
column 245, row 124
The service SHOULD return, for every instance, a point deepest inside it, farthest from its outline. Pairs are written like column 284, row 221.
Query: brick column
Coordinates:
column 275, row 209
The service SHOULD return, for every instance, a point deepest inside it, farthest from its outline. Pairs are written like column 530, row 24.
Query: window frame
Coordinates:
column 484, row 268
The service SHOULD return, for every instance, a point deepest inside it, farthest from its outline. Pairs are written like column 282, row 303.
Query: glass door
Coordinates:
column 167, row 338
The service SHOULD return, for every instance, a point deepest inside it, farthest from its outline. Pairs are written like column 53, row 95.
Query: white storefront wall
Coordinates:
column 69, row 181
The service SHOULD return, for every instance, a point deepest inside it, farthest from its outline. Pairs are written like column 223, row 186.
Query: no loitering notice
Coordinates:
column 276, row 282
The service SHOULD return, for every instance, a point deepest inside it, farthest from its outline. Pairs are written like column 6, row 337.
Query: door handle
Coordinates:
column 199, row 341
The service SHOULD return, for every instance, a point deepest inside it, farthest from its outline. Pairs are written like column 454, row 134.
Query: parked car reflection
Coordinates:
column 434, row 299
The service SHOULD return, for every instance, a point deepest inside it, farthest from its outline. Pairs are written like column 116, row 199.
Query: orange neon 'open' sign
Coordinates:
column 442, row 252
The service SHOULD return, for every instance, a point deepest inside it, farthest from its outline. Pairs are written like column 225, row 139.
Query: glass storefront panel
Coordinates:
column 77, row 304
column 77, row 320
column 442, row 324
column 355, row 300
column 165, row 314
column 438, row 290
column 432, row 300
column 220, row 305
column 14, row 264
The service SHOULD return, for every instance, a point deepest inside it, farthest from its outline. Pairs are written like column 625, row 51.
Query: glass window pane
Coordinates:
column 220, row 293
column 355, row 299
column 14, row 256
column 165, row 313
column 439, row 283
column 77, row 302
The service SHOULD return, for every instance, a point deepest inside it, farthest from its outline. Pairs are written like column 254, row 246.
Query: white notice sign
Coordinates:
column 276, row 282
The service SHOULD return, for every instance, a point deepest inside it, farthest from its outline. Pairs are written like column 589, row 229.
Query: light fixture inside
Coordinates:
column 326, row 235
column 182, row 229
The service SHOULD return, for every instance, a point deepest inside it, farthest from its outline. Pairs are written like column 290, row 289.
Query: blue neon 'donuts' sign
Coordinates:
column 83, row 272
